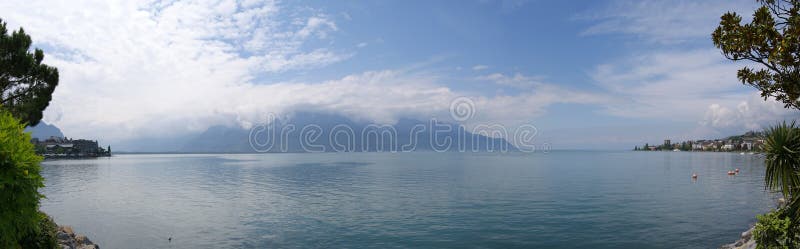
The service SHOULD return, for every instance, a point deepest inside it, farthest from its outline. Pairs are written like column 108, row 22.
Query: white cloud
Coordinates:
column 663, row 21
column 480, row 67
column 346, row 16
column 675, row 84
column 143, row 69
column 754, row 113
column 150, row 68
column 679, row 77
column 318, row 25
column 134, row 67
column 531, row 103
column 718, row 116
column 376, row 96
column 688, row 86
column 518, row 80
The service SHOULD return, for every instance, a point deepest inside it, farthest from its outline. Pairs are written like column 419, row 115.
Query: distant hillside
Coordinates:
column 749, row 141
column 44, row 130
column 749, row 135
column 234, row 139
column 218, row 139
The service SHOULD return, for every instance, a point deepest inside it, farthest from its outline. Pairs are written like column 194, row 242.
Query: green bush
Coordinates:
column 45, row 235
column 774, row 230
column 19, row 183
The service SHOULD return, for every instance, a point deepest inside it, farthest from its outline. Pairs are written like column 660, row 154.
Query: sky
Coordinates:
column 586, row 74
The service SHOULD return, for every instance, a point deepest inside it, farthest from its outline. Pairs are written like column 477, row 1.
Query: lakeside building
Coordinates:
column 63, row 147
column 750, row 141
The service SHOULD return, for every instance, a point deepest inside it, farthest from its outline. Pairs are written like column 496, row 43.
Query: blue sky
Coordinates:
column 592, row 74
column 512, row 37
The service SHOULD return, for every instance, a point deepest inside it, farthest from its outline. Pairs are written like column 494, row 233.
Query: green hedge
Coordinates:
column 19, row 184
column 45, row 236
column 775, row 230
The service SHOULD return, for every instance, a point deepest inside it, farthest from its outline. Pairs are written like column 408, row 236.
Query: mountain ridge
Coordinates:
column 43, row 130
column 334, row 133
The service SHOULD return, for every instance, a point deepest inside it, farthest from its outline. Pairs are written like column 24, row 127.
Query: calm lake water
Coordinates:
column 562, row 199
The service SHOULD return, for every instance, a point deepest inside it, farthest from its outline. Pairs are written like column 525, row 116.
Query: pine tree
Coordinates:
column 26, row 85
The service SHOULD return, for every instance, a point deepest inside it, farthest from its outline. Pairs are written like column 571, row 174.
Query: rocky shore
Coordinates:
column 745, row 242
column 67, row 239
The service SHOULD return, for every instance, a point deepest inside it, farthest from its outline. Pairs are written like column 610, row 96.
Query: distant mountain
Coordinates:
column 338, row 133
column 44, row 130
column 166, row 143
column 219, row 139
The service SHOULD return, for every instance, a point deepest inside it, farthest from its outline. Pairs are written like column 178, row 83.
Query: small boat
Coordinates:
column 737, row 170
column 694, row 176
column 730, row 172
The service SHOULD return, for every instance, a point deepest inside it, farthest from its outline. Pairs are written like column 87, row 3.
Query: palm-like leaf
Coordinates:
column 782, row 148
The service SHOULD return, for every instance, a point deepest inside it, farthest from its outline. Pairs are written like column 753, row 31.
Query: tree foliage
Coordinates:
column 774, row 230
column 782, row 159
column 26, row 85
column 19, row 183
column 44, row 237
column 772, row 41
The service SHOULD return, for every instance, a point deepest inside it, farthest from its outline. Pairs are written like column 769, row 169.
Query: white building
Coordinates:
column 747, row 145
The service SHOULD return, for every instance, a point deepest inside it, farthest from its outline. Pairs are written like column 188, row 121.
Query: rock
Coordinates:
column 68, row 240
column 88, row 247
column 82, row 240
column 748, row 234
column 63, row 236
column 67, row 229
column 745, row 242
column 65, row 240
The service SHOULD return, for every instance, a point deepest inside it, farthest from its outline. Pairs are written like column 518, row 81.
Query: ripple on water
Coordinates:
column 399, row 200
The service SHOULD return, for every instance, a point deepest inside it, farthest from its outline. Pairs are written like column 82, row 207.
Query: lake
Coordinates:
column 560, row 199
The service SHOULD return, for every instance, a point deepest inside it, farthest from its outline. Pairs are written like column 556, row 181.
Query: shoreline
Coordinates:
column 745, row 241
column 67, row 239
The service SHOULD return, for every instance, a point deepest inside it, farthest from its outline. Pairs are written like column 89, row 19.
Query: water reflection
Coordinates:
column 434, row 200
